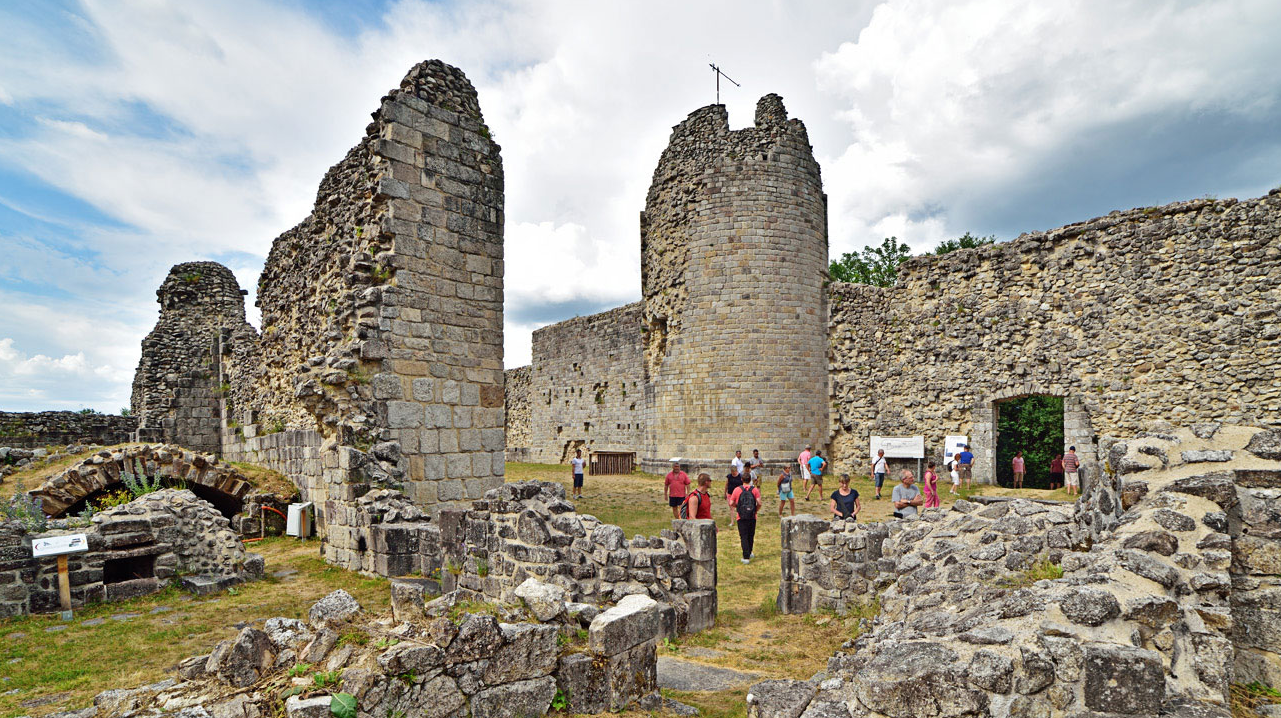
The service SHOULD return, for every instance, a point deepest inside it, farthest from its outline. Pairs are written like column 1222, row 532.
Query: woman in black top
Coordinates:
column 845, row 503
column 733, row 480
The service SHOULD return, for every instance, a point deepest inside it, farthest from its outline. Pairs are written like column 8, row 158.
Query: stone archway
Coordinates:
column 1077, row 431
column 67, row 493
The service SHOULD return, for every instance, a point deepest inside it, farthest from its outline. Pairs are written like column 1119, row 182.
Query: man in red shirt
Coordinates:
column 674, row 488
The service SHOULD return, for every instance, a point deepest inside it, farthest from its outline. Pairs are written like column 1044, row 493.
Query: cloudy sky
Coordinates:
column 138, row 134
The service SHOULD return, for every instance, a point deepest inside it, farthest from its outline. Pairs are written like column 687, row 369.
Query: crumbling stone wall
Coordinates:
column 44, row 428
column 176, row 390
column 1157, row 314
column 733, row 262
column 1155, row 614
column 528, row 529
column 162, row 536
column 516, row 404
column 587, row 386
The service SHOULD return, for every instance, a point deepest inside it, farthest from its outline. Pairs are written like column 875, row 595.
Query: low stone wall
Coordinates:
column 134, row 549
column 488, row 661
column 44, row 428
column 528, row 529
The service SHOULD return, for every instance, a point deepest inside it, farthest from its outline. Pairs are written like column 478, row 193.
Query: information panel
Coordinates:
column 899, row 447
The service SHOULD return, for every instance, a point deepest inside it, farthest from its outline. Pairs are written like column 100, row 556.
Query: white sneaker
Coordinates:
column 746, row 561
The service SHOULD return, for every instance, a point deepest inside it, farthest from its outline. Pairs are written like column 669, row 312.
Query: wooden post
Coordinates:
column 64, row 583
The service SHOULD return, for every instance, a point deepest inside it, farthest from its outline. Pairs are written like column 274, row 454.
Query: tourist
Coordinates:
column 966, row 460
column 698, row 505
column 737, row 461
column 675, row 487
column 754, row 465
column 1056, row 472
column 576, row 465
column 817, row 466
column 906, row 497
column 845, row 504
column 1018, row 469
column 786, row 496
column 1071, row 471
column 954, row 467
column 931, row 482
column 804, row 461
column 880, row 467
column 732, row 482
column 745, row 502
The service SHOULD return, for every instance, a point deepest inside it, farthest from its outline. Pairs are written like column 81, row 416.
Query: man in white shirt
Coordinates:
column 737, row 461
column 577, row 464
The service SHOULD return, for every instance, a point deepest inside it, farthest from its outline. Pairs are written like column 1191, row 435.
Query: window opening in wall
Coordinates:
column 1034, row 425
column 132, row 568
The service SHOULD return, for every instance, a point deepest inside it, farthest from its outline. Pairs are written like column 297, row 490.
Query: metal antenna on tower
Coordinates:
column 719, row 75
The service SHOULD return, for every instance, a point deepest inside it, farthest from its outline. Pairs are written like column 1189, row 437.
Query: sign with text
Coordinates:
column 57, row 545
column 899, row 447
column 953, row 445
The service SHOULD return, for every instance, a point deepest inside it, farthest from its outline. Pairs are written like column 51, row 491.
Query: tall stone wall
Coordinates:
column 516, row 402
column 176, row 388
column 734, row 259
column 1139, row 319
column 44, row 428
column 587, row 386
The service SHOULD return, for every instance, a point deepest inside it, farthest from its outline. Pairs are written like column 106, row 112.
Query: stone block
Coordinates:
column 633, row 621
column 299, row 707
column 1123, row 679
column 800, row 532
column 700, row 611
column 699, row 536
column 529, row 651
column 780, row 698
column 546, row 601
column 522, row 699
column 583, row 679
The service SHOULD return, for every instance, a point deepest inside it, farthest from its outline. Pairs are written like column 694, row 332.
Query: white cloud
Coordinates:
column 203, row 129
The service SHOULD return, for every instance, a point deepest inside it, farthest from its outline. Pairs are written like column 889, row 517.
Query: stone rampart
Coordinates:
column 516, row 403
column 733, row 264
column 587, row 386
column 1085, row 312
column 133, row 549
column 46, row 428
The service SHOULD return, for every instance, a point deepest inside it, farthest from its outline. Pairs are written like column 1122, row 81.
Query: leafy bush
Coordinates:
column 140, row 485
column 24, row 509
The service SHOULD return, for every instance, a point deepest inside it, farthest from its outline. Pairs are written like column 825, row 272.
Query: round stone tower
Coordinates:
column 733, row 265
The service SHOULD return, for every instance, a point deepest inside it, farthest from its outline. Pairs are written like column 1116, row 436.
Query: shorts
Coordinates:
column 805, row 472
column 1073, row 479
column 817, row 479
column 880, row 480
column 675, row 501
column 965, row 471
column 789, row 495
column 956, row 478
column 578, row 481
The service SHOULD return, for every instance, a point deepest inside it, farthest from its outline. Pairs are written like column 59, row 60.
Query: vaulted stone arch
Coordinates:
column 221, row 485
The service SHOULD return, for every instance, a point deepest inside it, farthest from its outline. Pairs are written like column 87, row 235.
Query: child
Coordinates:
column 931, row 481
column 954, row 467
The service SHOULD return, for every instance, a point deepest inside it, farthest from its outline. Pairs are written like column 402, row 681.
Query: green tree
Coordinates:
column 965, row 241
column 874, row 265
column 1033, row 425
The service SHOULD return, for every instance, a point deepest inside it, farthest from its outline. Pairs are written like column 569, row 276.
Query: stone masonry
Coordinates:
column 1082, row 312
column 587, row 386
column 733, row 263
column 134, row 549
column 176, row 389
column 516, row 404
column 45, row 428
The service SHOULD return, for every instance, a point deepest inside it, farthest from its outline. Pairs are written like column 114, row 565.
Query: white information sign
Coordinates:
column 899, row 447
column 56, row 545
column 953, row 445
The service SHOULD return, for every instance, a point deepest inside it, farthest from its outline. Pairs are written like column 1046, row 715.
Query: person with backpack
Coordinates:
column 698, row 505
column 675, row 486
column 746, row 502
column 733, row 481
column 785, row 493
column 817, row 466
